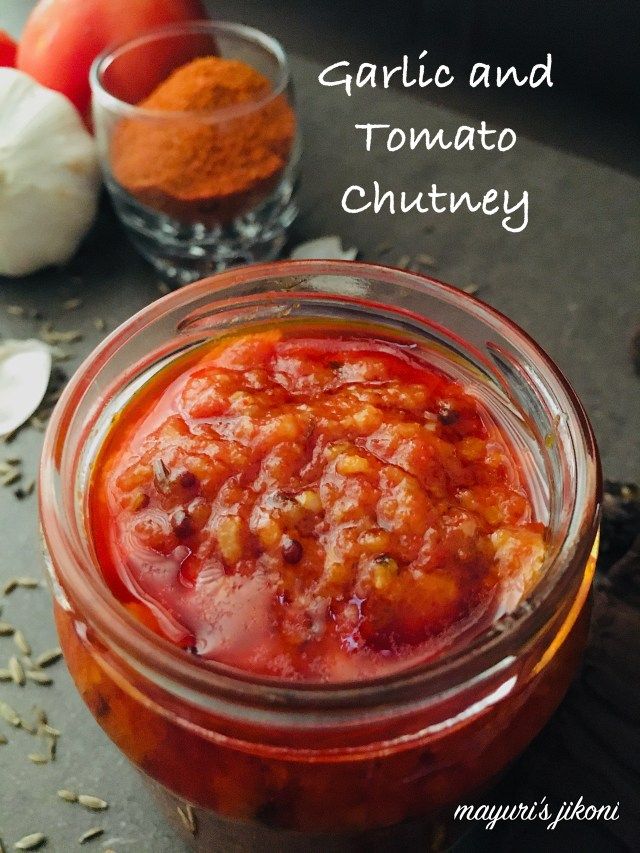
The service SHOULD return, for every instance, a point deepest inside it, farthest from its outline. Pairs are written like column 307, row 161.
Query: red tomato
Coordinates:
column 7, row 50
column 62, row 37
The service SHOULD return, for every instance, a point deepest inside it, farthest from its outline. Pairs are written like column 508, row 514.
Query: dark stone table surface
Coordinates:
column 571, row 279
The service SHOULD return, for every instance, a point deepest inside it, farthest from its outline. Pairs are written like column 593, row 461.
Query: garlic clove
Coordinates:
column 324, row 248
column 49, row 176
column 25, row 368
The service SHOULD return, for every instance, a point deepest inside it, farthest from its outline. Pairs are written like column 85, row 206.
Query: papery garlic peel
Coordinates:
column 49, row 176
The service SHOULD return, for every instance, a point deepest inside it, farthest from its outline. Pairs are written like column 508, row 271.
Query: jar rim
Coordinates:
column 221, row 114
column 205, row 677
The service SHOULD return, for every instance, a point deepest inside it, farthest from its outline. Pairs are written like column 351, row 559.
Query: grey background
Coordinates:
column 571, row 280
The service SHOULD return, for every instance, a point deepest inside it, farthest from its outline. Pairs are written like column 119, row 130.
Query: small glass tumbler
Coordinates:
column 198, row 189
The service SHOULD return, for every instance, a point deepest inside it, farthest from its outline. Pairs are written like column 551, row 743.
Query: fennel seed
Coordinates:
column 22, row 643
column 72, row 304
column 38, row 677
column 10, row 478
column 17, row 671
column 94, row 832
column 15, row 310
column 188, row 818
column 26, row 582
column 93, row 803
column 67, row 795
column 27, row 726
column 6, row 629
column 38, row 758
column 48, row 657
column 7, row 713
column 31, row 842
column 23, row 492
column 5, row 675
column 52, row 336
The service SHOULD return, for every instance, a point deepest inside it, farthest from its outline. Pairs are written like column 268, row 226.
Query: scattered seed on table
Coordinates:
column 52, row 336
column 49, row 657
column 23, row 492
column 3, row 740
column 60, row 355
column 46, row 729
column 27, row 582
column 5, row 675
column 69, row 796
column 425, row 260
column 99, row 324
column 28, row 663
column 383, row 248
column 52, row 746
column 72, row 304
column 8, row 478
column 27, row 726
column 403, row 261
column 94, row 832
column 188, row 818
column 9, row 586
column 6, row 629
column 38, row 758
column 38, row 677
column 31, row 842
column 7, row 713
column 471, row 289
column 22, row 643
column 17, row 671
column 91, row 802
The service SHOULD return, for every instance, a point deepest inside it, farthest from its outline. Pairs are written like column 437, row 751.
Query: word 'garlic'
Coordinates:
column 49, row 176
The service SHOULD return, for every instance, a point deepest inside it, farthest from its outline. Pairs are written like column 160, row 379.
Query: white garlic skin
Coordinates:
column 49, row 176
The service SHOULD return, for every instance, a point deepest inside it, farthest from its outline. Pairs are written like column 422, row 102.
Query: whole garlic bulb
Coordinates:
column 49, row 176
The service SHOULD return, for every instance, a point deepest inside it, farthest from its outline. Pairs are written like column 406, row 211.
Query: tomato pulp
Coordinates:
column 311, row 504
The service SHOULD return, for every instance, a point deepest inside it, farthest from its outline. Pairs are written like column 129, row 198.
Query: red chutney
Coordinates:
column 310, row 504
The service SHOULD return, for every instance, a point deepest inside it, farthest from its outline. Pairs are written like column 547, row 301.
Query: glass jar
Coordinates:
column 198, row 190
column 253, row 763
